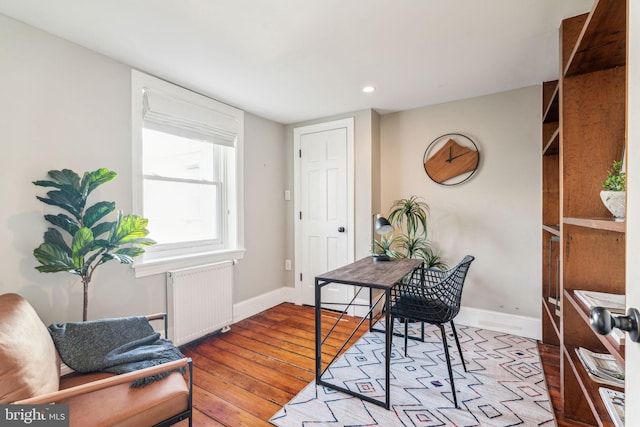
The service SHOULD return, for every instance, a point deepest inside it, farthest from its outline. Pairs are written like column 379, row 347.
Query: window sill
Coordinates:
column 161, row 266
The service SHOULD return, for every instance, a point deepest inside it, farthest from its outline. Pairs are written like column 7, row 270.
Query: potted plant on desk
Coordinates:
column 410, row 240
column 614, row 193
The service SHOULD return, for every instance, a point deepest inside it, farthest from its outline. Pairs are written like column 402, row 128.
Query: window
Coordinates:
column 187, row 175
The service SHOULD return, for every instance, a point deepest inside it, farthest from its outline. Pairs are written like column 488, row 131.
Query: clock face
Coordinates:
column 451, row 159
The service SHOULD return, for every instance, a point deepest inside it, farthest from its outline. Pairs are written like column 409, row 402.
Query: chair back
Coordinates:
column 450, row 288
column 432, row 296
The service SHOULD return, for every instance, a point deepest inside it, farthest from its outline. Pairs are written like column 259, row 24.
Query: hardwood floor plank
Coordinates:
column 249, row 383
column 235, row 395
column 244, row 376
column 223, row 412
column 270, row 371
column 550, row 356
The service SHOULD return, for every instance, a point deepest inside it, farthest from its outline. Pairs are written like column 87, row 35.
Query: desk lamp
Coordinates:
column 380, row 225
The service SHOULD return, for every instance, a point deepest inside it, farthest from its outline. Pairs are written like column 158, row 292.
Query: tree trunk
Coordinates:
column 85, row 303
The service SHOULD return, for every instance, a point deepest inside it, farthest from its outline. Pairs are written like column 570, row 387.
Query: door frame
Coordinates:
column 632, row 350
column 347, row 123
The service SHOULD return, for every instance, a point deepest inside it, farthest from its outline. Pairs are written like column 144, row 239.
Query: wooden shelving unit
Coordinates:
column 583, row 132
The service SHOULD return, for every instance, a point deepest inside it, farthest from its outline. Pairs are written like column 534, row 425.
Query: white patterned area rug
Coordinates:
column 504, row 385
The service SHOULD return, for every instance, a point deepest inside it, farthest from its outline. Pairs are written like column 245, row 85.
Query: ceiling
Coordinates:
column 296, row 60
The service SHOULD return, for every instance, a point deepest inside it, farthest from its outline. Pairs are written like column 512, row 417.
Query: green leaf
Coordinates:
column 66, row 223
column 102, row 243
column 91, row 180
column 103, row 227
column 54, row 269
column 53, row 237
column 82, row 244
column 143, row 241
column 64, row 187
column 66, row 176
column 96, row 212
column 54, row 258
column 132, row 252
column 122, row 259
column 73, row 211
column 129, row 228
column 65, row 198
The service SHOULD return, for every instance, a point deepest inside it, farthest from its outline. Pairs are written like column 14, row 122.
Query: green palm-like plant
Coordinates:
column 89, row 243
column 409, row 219
column 616, row 178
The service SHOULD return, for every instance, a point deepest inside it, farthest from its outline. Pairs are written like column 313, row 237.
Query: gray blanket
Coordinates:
column 113, row 345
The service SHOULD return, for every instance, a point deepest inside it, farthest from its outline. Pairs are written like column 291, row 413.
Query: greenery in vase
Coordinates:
column 86, row 243
column 616, row 179
column 409, row 220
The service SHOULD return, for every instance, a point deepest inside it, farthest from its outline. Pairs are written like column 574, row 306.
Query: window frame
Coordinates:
column 160, row 259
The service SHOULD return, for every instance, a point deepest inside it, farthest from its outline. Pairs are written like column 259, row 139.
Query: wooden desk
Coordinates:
column 371, row 275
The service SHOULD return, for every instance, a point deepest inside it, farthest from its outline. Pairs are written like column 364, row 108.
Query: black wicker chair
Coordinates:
column 432, row 296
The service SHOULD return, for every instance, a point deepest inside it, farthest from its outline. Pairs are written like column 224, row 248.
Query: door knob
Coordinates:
column 602, row 321
column 341, row 229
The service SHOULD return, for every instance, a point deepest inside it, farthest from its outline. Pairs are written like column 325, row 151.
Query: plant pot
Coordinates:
column 616, row 202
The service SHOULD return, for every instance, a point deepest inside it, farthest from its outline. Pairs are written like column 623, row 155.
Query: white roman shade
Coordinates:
column 189, row 119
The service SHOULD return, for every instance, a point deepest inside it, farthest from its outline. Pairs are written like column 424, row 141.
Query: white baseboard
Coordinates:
column 479, row 318
column 255, row 305
column 523, row 326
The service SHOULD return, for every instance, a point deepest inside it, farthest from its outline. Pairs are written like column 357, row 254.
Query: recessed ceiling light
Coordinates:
column 368, row 89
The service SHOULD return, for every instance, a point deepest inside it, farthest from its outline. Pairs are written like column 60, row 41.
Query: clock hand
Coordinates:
column 450, row 158
column 459, row 155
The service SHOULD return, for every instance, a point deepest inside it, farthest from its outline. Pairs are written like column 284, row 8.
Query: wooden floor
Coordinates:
column 244, row 376
column 550, row 356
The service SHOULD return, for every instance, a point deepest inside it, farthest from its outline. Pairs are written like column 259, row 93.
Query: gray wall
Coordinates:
column 495, row 216
column 63, row 106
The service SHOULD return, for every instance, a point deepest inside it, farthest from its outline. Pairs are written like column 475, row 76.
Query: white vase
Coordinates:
column 615, row 201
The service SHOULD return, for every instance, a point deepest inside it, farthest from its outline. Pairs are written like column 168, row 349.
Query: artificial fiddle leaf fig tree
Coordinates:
column 82, row 238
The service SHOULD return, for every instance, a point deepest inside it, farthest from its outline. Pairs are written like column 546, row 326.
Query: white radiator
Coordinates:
column 199, row 301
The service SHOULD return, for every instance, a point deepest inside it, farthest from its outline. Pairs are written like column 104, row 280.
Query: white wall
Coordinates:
column 63, row 106
column 496, row 215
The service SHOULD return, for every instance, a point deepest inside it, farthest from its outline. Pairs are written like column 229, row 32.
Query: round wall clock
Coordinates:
column 451, row 159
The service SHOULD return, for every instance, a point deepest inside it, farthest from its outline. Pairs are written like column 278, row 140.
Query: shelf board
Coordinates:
column 553, row 109
column 602, row 42
column 553, row 229
column 590, row 388
column 615, row 349
column 608, row 224
column 553, row 146
column 550, row 310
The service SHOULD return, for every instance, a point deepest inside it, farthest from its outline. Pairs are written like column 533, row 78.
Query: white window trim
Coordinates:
column 147, row 267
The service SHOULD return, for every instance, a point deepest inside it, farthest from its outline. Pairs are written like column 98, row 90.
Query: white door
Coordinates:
column 324, row 232
column 632, row 356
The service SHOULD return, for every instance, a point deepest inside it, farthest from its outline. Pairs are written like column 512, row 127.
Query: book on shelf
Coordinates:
column 615, row 303
column 601, row 367
column 614, row 402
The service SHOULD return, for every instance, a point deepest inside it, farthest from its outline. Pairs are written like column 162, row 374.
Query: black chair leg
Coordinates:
column 455, row 334
column 446, row 352
column 406, row 335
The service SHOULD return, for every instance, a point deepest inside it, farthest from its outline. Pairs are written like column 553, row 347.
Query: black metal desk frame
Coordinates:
column 370, row 275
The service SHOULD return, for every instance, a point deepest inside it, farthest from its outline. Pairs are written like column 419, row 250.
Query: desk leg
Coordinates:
column 370, row 309
column 318, row 333
column 388, row 337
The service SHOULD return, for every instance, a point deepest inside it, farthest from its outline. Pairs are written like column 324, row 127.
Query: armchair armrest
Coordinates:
column 158, row 316
column 109, row 382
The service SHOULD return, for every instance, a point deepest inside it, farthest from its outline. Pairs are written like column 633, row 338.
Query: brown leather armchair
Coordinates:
column 30, row 374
